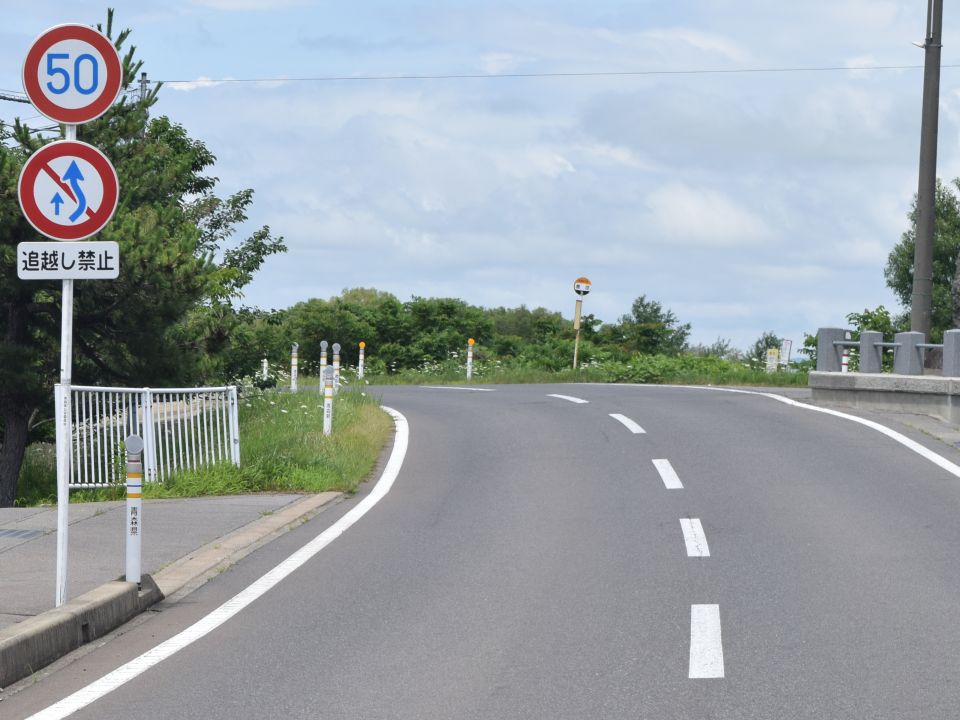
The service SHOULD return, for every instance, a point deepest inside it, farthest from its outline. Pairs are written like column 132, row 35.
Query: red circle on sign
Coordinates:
column 113, row 74
column 39, row 162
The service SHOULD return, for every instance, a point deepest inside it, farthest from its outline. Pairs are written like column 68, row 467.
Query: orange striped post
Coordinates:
column 134, row 445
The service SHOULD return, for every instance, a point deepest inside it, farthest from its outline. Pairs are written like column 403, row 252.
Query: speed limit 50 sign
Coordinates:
column 72, row 74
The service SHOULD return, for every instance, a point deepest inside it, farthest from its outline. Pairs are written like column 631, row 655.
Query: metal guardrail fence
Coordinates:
column 182, row 428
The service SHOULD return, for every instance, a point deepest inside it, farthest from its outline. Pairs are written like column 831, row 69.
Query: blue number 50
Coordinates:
column 52, row 70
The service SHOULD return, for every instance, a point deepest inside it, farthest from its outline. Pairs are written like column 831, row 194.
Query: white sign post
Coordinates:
column 264, row 370
column 360, row 361
column 786, row 349
column 68, row 191
column 581, row 287
column 470, row 343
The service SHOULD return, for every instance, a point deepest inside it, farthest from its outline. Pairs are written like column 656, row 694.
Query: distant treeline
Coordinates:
column 404, row 335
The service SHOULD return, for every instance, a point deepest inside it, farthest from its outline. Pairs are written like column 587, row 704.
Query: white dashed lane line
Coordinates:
column 569, row 398
column 628, row 423
column 668, row 475
column 694, row 537
column 706, row 645
column 455, row 387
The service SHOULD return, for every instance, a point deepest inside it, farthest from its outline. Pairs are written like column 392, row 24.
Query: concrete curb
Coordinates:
column 885, row 392
column 193, row 569
column 31, row 644
column 38, row 641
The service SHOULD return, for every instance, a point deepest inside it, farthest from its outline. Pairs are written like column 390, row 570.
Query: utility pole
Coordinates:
column 922, row 300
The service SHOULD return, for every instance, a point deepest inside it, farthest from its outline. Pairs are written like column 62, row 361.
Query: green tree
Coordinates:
column 649, row 329
column 945, row 311
column 177, row 265
column 766, row 341
column 721, row 348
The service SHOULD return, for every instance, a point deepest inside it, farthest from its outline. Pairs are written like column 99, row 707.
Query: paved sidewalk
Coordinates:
column 172, row 529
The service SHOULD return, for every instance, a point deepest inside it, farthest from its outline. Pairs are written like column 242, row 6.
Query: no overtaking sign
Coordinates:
column 68, row 190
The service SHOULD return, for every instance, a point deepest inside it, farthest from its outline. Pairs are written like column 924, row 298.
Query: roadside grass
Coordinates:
column 282, row 449
column 38, row 476
column 647, row 369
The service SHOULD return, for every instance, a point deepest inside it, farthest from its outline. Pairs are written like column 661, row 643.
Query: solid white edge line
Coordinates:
column 694, row 537
column 569, row 398
column 671, row 480
column 913, row 445
column 628, row 423
column 454, row 387
column 111, row 681
column 706, row 644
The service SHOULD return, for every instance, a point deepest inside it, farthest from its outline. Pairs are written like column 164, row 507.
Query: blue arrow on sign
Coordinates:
column 74, row 176
column 57, row 202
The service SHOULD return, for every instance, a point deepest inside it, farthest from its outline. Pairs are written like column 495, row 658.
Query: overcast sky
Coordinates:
column 744, row 202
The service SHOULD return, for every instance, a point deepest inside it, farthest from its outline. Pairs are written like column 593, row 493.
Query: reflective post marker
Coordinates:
column 336, row 368
column 264, row 370
column 134, row 445
column 323, row 362
column 360, row 361
column 293, row 367
column 470, row 358
column 845, row 361
column 327, row 401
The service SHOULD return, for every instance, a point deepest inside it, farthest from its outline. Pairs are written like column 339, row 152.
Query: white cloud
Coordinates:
column 689, row 216
column 499, row 63
column 199, row 84
column 707, row 43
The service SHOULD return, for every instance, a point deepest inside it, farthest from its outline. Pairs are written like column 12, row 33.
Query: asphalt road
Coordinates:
column 533, row 561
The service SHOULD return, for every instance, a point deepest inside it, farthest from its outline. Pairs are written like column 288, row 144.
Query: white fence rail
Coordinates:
column 182, row 428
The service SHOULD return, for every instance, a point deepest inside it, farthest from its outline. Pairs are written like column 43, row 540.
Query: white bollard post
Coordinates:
column 264, row 369
column 323, row 363
column 336, row 368
column 134, row 445
column 470, row 358
column 293, row 367
column 360, row 361
column 328, row 401
column 845, row 361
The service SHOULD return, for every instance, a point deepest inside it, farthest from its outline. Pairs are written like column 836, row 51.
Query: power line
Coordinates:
column 481, row 76
column 14, row 97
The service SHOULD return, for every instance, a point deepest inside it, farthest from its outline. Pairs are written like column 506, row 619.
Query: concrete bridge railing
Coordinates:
column 908, row 351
